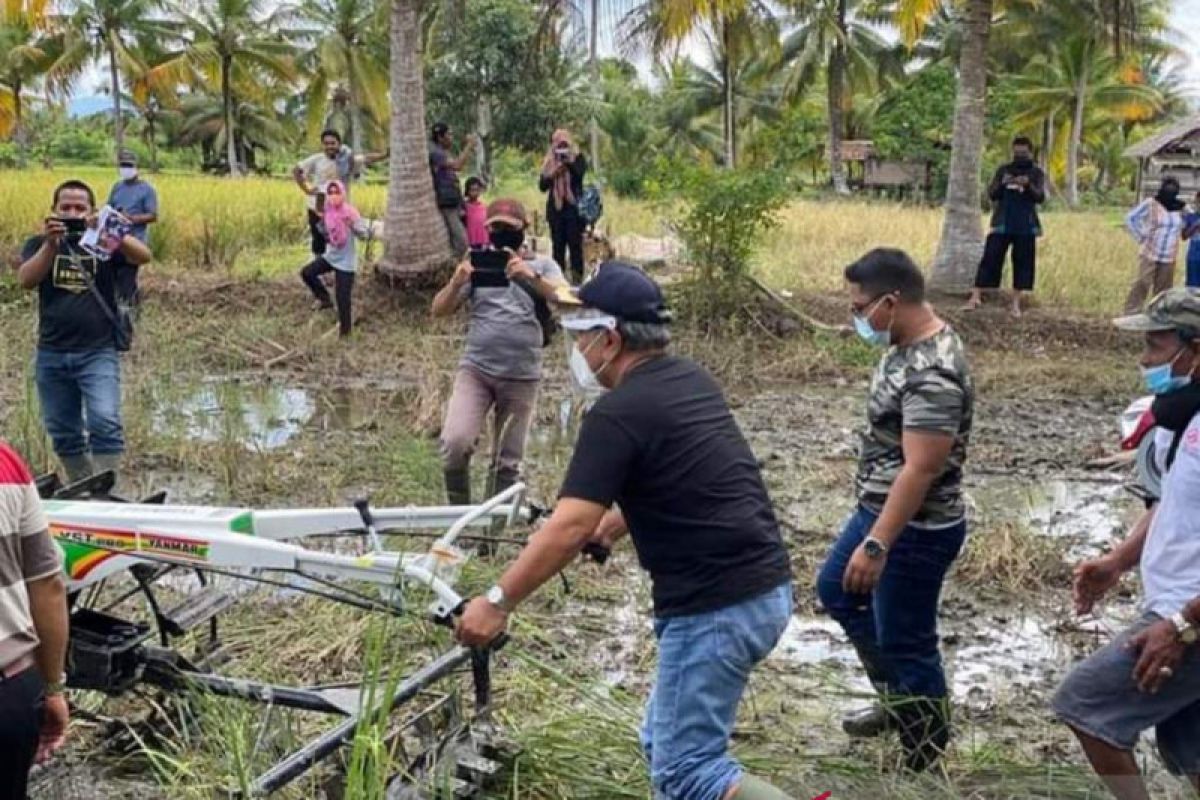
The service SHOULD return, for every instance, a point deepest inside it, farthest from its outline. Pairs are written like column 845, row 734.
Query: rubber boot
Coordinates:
column 498, row 480
column 924, row 725
column 876, row 720
column 108, row 462
column 77, row 467
column 752, row 788
column 458, row 486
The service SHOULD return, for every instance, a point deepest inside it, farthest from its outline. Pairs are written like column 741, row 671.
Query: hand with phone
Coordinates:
column 518, row 268
column 462, row 274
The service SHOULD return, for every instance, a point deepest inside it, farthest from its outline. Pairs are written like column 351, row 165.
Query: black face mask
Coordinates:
column 505, row 238
column 1168, row 198
column 1023, row 161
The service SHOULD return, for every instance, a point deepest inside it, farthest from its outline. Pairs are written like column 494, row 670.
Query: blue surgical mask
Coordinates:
column 868, row 334
column 1160, row 380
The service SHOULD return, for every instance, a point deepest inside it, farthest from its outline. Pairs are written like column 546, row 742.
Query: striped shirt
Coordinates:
column 1157, row 230
column 27, row 553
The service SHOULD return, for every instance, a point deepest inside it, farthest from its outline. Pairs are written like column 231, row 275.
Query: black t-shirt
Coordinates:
column 70, row 317
column 665, row 447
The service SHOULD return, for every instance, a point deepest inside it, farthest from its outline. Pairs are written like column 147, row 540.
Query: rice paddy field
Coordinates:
column 235, row 394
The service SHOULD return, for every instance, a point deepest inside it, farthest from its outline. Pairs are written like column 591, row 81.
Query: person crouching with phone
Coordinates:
column 340, row 224
column 501, row 366
column 77, row 367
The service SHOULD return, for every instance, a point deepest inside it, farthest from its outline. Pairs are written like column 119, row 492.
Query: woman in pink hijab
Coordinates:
column 562, row 179
column 342, row 225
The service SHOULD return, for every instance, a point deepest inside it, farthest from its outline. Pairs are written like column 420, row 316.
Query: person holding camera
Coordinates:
column 444, row 169
column 78, row 370
column 335, row 162
column 501, row 366
column 1016, row 190
column 562, row 179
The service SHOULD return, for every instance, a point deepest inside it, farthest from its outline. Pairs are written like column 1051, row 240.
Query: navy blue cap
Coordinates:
column 625, row 292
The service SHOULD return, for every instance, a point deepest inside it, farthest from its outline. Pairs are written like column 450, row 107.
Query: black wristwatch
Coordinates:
column 874, row 548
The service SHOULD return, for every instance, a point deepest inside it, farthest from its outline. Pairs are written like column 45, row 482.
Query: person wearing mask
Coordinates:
column 77, row 367
column 1156, row 224
column 138, row 202
column 561, row 178
column 33, row 631
column 660, row 457
column 444, row 168
column 882, row 580
column 1016, row 190
column 1148, row 676
column 335, row 162
column 501, row 367
column 1191, row 232
column 341, row 225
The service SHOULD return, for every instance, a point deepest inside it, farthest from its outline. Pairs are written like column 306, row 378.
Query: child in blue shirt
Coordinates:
column 1191, row 232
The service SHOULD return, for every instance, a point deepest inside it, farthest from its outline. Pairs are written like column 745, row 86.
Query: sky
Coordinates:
column 1185, row 16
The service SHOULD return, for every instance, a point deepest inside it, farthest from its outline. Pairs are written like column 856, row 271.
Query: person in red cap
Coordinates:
column 501, row 366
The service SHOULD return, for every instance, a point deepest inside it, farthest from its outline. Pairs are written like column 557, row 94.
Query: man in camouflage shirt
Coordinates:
column 883, row 577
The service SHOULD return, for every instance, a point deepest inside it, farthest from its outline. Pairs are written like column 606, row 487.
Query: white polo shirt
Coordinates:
column 1171, row 557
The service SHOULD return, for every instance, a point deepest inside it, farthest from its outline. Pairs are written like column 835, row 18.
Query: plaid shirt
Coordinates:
column 1157, row 230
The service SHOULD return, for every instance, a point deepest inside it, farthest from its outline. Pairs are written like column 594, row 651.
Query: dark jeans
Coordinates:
column 1024, row 258
column 21, row 700
column 1193, row 272
column 566, row 232
column 343, row 287
column 78, row 391
column 894, row 629
column 318, row 237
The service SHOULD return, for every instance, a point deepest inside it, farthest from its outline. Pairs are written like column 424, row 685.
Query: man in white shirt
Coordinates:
column 1149, row 675
column 335, row 162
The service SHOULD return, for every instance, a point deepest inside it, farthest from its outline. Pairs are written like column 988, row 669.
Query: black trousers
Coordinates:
column 343, row 287
column 21, row 699
column 1024, row 260
column 318, row 238
column 566, row 232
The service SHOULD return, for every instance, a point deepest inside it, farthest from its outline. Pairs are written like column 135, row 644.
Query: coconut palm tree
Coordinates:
column 1075, row 78
column 831, row 35
column 341, row 38
column 239, row 42
column 28, row 48
column 154, row 79
column 416, row 240
column 115, row 31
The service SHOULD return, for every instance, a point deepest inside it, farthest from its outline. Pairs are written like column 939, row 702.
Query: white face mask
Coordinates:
column 127, row 173
column 585, row 379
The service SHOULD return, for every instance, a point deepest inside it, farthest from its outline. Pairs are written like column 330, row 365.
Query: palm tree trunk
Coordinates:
column 114, row 77
column 231, row 148
column 356, row 117
column 727, row 89
column 961, row 244
column 151, row 144
column 594, row 70
column 416, row 243
column 835, row 77
column 18, row 132
column 1074, row 143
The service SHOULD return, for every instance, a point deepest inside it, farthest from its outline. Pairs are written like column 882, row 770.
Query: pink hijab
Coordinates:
column 339, row 217
column 561, row 187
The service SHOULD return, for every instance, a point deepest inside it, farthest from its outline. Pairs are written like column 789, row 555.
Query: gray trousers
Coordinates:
column 456, row 230
column 474, row 395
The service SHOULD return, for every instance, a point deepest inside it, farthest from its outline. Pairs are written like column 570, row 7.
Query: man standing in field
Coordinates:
column 77, row 366
column 444, row 169
column 138, row 202
column 335, row 162
column 882, row 580
column 1149, row 675
column 33, row 631
column 1016, row 190
column 660, row 457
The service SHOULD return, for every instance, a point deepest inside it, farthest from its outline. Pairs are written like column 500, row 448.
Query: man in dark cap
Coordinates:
column 1149, row 675
column 660, row 457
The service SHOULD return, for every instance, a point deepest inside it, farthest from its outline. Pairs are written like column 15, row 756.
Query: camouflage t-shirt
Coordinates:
column 923, row 387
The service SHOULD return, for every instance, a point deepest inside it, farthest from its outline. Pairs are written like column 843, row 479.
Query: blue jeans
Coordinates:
column 704, row 661
column 1193, row 272
column 894, row 629
column 80, row 394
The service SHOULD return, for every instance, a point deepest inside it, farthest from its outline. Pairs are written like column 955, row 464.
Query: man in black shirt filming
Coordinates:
column 660, row 457
column 78, row 370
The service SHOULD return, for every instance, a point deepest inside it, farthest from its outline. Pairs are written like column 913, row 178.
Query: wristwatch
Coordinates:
column 1188, row 634
column 56, row 687
column 495, row 596
column 874, row 548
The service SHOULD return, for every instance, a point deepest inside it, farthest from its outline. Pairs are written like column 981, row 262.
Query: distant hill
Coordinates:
column 86, row 106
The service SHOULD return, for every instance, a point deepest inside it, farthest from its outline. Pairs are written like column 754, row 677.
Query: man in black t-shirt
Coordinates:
column 660, row 457
column 78, row 370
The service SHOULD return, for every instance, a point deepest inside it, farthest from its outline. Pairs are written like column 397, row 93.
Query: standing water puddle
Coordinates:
column 259, row 416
